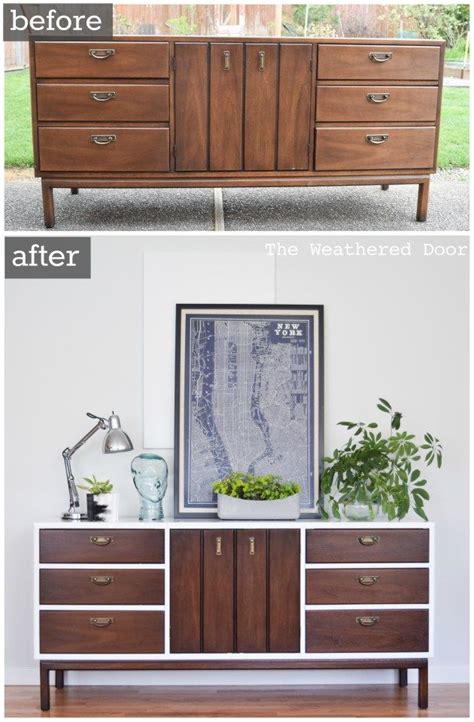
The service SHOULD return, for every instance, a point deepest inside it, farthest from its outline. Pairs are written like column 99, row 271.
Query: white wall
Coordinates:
column 395, row 327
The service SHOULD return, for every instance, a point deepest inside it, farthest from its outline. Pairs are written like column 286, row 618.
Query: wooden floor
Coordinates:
column 446, row 700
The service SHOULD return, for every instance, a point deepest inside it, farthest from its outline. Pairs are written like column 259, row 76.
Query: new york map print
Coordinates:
column 248, row 401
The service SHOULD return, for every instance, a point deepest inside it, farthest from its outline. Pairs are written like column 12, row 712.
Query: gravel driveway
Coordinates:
column 365, row 208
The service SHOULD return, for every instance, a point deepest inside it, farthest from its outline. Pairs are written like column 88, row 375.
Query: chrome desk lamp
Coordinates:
column 115, row 440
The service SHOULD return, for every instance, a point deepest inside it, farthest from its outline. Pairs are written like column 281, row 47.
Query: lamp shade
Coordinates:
column 116, row 439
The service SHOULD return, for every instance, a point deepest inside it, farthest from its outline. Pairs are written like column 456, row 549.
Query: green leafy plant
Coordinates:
column 449, row 22
column 373, row 468
column 184, row 24
column 259, row 488
column 95, row 486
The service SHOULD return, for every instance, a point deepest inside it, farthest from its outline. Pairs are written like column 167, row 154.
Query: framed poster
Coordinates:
column 249, row 397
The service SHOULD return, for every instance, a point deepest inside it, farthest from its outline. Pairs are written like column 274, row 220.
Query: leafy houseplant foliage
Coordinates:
column 95, row 486
column 258, row 488
column 373, row 468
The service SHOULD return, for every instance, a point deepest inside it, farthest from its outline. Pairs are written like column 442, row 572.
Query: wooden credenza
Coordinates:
column 174, row 112
column 244, row 595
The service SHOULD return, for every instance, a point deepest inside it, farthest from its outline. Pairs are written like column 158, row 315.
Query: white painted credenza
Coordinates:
column 207, row 594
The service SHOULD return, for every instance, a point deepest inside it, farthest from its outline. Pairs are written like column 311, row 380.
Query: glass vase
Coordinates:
column 361, row 510
column 150, row 476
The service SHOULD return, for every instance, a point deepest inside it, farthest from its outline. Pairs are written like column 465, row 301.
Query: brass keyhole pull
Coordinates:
column 368, row 541
column 101, row 53
column 367, row 581
column 261, row 59
column 252, row 545
column 367, row 621
column 226, row 59
column 378, row 97
column 101, row 541
column 102, row 581
column 102, row 97
column 218, row 546
column 101, row 621
column 103, row 140
column 376, row 139
column 380, row 57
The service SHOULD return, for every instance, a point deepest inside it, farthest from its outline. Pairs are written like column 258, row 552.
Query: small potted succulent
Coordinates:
column 376, row 470
column 102, row 504
column 246, row 496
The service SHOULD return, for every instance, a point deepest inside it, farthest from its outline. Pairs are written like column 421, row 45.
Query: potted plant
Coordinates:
column 102, row 504
column 375, row 470
column 246, row 496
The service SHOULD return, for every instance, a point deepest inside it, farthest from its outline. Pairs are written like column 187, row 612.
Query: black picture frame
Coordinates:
column 193, row 313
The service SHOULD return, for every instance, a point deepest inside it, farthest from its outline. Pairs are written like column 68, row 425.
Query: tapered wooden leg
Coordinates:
column 423, row 195
column 48, row 205
column 74, row 191
column 385, row 187
column 423, row 687
column 44, row 685
column 59, row 678
column 402, row 677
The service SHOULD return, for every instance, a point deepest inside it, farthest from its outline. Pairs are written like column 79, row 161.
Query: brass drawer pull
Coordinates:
column 102, row 97
column 378, row 97
column 101, row 53
column 261, row 60
column 226, row 59
column 101, row 621
column 368, row 541
column 218, row 546
column 376, row 139
column 380, row 57
column 367, row 621
column 367, row 581
column 103, row 139
column 101, row 541
column 252, row 546
column 102, row 581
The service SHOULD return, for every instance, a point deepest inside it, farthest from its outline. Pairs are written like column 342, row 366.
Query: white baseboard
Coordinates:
column 438, row 674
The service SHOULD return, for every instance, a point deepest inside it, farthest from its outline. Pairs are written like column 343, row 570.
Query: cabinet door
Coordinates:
column 192, row 106
column 284, row 591
column 261, row 100
column 294, row 106
column 251, row 597
column 226, row 111
column 218, row 591
column 185, row 590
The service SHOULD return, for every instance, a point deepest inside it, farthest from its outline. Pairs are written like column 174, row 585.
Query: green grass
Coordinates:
column 18, row 141
column 454, row 136
column 453, row 145
column 458, row 52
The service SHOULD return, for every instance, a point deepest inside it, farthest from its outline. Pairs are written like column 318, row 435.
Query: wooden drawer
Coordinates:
column 400, row 630
column 347, row 546
column 354, row 62
column 88, row 546
column 101, row 586
column 367, row 586
column 102, row 102
column 376, row 103
column 63, row 632
column 352, row 149
column 122, row 60
column 131, row 149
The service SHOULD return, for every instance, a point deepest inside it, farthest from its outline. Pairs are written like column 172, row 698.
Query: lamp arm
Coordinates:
column 67, row 453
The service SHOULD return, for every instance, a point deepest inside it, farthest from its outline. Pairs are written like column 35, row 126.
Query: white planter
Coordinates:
column 105, row 507
column 228, row 507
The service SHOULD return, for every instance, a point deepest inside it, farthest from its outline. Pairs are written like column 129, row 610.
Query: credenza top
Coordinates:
column 171, row 523
column 249, row 39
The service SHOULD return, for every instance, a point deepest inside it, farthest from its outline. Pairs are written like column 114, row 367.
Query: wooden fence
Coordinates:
column 258, row 20
column 16, row 55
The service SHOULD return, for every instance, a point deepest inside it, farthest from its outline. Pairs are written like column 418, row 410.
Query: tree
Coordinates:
column 446, row 22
